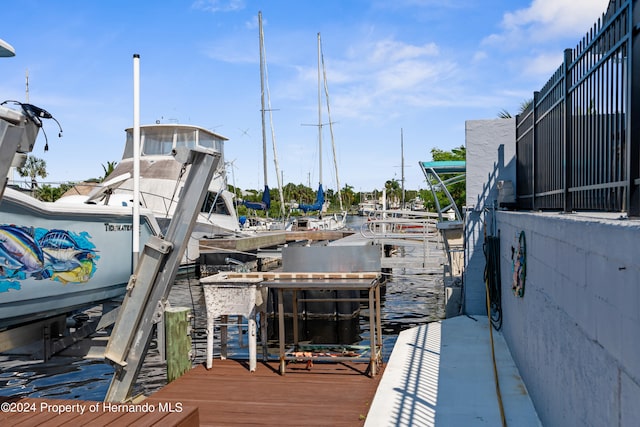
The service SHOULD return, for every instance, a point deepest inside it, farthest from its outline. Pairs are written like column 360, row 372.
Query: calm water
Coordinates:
column 410, row 299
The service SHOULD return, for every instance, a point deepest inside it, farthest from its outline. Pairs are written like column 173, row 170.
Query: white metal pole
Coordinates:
column 319, row 112
column 136, row 159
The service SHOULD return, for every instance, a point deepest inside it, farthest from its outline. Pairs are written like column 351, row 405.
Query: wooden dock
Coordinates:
column 266, row 239
column 327, row 394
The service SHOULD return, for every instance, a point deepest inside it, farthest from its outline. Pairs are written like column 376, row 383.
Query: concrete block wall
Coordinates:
column 575, row 335
column 490, row 151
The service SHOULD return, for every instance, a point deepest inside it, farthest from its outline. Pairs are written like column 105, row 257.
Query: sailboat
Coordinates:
column 322, row 222
column 257, row 223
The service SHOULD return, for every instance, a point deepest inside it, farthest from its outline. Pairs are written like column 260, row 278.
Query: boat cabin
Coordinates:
column 161, row 139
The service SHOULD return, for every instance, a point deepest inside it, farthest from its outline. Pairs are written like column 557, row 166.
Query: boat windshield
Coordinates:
column 213, row 203
column 162, row 139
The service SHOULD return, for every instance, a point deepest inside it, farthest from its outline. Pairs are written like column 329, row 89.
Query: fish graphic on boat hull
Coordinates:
column 58, row 255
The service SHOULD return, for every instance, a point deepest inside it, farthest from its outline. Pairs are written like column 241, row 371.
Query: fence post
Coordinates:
column 534, row 146
column 633, row 120
column 566, row 131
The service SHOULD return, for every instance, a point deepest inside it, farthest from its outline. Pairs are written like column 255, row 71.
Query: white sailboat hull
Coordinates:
column 326, row 222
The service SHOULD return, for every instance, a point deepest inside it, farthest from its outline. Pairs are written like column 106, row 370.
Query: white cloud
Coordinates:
column 214, row 6
column 542, row 64
column 556, row 17
column 388, row 74
column 535, row 36
column 391, row 50
column 545, row 20
column 480, row 56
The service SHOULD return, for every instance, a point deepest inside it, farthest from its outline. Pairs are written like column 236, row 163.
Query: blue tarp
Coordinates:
column 317, row 206
column 264, row 205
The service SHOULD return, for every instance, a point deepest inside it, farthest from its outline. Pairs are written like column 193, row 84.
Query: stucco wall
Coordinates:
column 490, row 147
column 575, row 335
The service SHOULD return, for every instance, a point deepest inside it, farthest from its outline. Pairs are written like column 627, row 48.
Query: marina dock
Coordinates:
column 439, row 374
column 327, row 394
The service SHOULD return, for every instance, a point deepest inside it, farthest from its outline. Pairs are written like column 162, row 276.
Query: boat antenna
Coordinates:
column 36, row 114
column 27, row 85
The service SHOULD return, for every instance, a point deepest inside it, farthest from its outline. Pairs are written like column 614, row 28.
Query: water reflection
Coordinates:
column 409, row 299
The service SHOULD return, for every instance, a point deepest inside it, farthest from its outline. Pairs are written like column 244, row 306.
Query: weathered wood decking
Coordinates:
column 328, row 394
column 267, row 239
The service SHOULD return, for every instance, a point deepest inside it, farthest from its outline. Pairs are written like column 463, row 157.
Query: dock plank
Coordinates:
column 336, row 394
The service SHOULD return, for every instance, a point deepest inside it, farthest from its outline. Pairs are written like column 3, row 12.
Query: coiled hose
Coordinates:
column 491, row 249
column 494, row 306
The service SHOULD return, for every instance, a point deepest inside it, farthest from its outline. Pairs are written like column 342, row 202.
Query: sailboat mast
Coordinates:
column 319, row 110
column 264, row 85
column 333, row 143
column 402, row 163
column 262, row 109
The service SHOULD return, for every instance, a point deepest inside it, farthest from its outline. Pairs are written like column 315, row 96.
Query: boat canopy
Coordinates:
column 264, row 205
column 446, row 166
column 162, row 139
column 317, row 206
column 6, row 49
column 432, row 172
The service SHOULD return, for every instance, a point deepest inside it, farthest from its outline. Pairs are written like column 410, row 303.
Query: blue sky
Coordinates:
column 423, row 66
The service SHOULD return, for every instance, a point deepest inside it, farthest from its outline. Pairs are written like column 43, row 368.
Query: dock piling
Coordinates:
column 178, row 341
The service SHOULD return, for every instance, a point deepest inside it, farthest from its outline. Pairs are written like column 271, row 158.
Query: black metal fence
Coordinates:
column 578, row 142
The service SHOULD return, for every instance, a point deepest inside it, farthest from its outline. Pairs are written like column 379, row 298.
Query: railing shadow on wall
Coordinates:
column 578, row 142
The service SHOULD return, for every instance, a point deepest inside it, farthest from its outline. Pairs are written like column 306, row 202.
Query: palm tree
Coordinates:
column 393, row 190
column 348, row 195
column 108, row 169
column 504, row 114
column 33, row 167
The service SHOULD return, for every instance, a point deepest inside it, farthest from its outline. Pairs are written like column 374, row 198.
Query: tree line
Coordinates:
column 35, row 168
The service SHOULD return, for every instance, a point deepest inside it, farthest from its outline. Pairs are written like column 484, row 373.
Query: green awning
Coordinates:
column 446, row 166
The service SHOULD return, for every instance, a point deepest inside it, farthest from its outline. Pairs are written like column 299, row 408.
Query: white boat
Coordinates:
column 56, row 258
column 417, row 204
column 368, row 205
column 162, row 179
column 59, row 257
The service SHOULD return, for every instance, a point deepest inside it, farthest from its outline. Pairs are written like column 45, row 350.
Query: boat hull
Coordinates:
column 57, row 258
